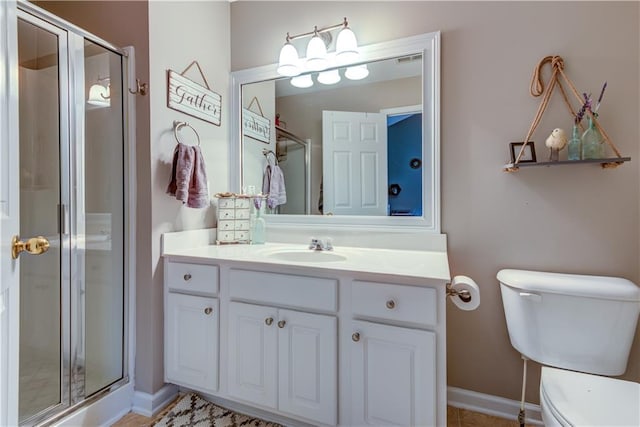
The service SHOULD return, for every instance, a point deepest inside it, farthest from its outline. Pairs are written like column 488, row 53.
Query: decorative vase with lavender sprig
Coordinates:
column 258, row 226
column 593, row 146
column 574, row 148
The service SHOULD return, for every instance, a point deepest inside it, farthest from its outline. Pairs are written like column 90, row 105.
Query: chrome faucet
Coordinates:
column 320, row 245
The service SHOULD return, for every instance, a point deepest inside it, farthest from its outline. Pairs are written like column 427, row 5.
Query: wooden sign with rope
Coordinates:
column 536, row 89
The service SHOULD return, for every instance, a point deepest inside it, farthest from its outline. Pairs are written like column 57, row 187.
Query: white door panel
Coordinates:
column 354, row 147
column 308, row 365
column 392, row 376
column 192, row 328
column 253, row 350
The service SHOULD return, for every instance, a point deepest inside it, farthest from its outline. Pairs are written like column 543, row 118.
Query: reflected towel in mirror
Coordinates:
column 273, row 184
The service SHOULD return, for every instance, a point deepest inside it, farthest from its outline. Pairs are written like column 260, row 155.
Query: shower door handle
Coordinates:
column 35, row 246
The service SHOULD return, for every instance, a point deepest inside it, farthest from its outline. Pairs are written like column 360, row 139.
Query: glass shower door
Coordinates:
column 99, row 208
column 70, row 244
column 44, row 262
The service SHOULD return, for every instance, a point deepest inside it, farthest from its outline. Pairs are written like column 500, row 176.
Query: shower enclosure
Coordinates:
column 63, row 208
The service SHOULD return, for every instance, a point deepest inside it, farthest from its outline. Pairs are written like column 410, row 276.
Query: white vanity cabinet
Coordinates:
column 310, row 344
column 191, row 323
column 393, row 367
column 393, row 375
column 297, row 343
column 284, row 360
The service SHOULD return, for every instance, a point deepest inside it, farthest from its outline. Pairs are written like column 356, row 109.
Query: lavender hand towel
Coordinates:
column 183, row 162
column 198, row 191
column 188, row 177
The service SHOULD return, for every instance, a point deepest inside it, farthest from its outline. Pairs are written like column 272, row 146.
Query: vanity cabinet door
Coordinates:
column 393, row 375
column 308, row 368
column 252, row 346
column 191, row 348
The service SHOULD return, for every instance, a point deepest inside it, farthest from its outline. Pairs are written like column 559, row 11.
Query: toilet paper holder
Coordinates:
column 463, row 294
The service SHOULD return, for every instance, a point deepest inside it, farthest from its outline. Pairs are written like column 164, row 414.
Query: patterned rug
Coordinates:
column 191, row 410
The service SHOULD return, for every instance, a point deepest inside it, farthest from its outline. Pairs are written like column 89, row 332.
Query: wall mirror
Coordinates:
column 358, row 152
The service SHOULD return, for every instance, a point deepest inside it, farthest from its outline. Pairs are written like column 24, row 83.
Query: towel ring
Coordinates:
column 177, row 125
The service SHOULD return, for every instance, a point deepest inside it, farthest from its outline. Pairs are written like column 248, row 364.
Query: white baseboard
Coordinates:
column 492, row 405
column 102, row 412
column 150, row 404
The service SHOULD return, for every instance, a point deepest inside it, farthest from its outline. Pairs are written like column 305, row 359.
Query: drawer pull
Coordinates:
column 268, row 321
column 355, row 337
column 208, row 311
column 187, row 277
column 391, row 304
column 281, row 324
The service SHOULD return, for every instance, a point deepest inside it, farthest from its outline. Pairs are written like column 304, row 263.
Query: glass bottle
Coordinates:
column 575, row 145
column 259, row 227
column 592, row 142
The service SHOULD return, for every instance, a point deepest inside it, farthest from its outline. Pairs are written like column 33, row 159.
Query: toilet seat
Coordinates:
column 578, row 399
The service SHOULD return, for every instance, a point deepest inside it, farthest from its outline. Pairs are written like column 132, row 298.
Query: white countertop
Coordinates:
column 408, row 263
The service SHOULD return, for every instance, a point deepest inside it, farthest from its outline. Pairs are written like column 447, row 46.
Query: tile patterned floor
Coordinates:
column 455, row 418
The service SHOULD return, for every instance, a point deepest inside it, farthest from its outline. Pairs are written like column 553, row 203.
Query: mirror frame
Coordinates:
column 429, row 46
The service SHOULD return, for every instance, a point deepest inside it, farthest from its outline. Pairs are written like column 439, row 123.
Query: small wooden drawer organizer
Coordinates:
column 234, row 220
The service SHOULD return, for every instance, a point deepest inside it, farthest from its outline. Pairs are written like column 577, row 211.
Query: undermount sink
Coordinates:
column 306, row 256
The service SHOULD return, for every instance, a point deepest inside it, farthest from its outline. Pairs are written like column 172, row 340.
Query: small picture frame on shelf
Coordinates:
column 529, row 154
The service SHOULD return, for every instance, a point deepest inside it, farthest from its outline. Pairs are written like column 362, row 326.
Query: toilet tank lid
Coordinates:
column 613, row 288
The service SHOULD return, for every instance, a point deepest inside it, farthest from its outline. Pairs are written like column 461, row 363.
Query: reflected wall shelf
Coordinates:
column 604, row 163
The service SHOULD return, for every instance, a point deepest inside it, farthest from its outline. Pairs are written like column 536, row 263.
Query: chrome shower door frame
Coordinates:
column 72, row 128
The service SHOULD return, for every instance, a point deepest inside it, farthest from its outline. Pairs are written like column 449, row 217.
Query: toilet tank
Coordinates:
column 576, row 322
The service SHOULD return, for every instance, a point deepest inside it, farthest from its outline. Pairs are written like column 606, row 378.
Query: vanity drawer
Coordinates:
column 192, row 277
column 226, row 203
column 394, row 302
column 241, row 225
column 241, row 235
column 226, row 214
column 284, row 289
column 243, row 213
column 226, row 225
column 225, row 235
column 243, row 203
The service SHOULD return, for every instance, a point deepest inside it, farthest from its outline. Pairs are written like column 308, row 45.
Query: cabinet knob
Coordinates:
column 187, row 277
column 356, row 336
column 281, row 324
column 208, row 311
column 268, row 321
column 391, row 304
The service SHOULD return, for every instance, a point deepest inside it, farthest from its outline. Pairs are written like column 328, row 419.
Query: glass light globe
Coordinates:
column 316, row 54
column 357, row 72
column 288, row 62
column 346, row 46
column 303, row 81
column 330, row 77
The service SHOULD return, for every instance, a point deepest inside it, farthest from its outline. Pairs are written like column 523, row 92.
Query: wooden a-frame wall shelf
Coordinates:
column 536, row 89
column 609, row 163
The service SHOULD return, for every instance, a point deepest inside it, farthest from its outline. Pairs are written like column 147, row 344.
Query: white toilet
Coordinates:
column 580, row 328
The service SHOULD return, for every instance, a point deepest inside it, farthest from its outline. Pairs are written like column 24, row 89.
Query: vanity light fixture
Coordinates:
column 357, row 72
column 316, row 53
column 288, row 63
column 304, row 81
column 317, row 58
column 99, row 95
column 330, row 77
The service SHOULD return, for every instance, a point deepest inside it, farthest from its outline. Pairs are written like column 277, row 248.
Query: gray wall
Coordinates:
column 577, row 219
